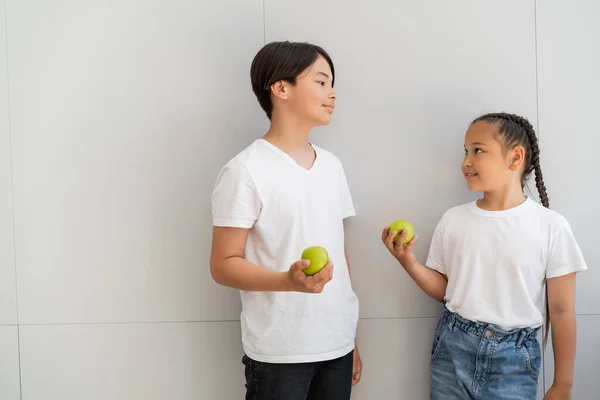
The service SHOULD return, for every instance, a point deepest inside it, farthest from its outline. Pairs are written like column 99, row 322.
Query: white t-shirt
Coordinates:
column 286, row 209
column 497, row 262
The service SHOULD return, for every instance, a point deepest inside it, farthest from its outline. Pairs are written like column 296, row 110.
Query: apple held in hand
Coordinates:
column 402, row 225
column 318, row 258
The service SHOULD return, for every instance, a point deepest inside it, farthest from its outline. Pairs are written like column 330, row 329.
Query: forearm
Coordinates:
column 430, row 281
column 238, row 273
column 564, row 338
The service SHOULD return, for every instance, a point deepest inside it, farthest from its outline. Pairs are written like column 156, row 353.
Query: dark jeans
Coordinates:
column 326, row 380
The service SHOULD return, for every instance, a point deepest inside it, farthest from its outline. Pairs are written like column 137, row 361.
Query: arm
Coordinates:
column 229, row 268
column 430, row 281
column 357, row 363
column 561, row 303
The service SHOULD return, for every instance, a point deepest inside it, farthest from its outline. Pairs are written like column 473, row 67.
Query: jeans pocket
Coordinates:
column 533, row 357
column 251, row 374
column 439, row 333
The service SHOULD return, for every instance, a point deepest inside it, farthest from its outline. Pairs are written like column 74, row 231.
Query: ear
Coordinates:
column 517, row 158
column 280, row 89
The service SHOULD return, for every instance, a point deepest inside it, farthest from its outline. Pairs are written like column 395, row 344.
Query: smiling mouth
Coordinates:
column 329, row 108
column 471, row 175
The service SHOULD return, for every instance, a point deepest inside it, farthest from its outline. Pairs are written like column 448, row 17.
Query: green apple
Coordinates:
column 402, row 225
column 318, row 258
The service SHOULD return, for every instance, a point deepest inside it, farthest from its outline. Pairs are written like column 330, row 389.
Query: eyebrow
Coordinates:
column 324, row 74
column 477, row 144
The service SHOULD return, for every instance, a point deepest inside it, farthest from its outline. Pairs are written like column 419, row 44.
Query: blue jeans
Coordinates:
column 325, row 380
column 472, row 360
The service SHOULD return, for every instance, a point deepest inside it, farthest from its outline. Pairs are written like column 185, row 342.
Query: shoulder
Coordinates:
column 330, row 161
column 458, row 211
column 548, row 218
column 326, row 155
column 240, row 166
column 247, row 157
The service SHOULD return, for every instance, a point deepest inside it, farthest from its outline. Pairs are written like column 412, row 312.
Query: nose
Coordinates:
column 466, row 164
column 333, row 95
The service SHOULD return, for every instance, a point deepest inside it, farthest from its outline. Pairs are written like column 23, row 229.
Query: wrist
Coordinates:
column 564, row 385
column 408, row 265
column 285, row 283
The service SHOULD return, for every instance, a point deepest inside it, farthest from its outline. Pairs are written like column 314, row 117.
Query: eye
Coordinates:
column 321, row 83
column 478, row 150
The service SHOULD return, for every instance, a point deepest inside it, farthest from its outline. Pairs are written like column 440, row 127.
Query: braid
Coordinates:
column 534, row 160
column 517, row 130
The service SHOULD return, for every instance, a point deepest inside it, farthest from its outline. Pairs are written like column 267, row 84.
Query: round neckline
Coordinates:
column 289, row 158
column 501, row 213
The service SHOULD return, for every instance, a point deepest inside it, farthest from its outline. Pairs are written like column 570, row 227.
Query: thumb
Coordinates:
column 299, row 265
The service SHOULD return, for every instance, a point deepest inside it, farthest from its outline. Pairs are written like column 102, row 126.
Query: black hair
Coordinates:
column 518, row 131
column 282, row 61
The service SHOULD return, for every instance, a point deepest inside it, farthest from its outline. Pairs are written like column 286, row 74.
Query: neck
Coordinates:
column 288, row 132
column 501, row 200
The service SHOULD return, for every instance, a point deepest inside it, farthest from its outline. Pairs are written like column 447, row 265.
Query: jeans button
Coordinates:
column 489, row 334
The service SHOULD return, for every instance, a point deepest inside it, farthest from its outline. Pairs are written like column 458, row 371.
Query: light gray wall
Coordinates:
column 116, row 116
column 569, row 83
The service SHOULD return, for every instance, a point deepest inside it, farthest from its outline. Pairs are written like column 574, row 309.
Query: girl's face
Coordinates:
column 488, row 166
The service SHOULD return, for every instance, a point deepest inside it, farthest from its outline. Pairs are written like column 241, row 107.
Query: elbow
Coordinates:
column 215, row 272
column 440, row 296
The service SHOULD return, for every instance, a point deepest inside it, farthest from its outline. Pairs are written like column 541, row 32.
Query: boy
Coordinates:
column 272, row 200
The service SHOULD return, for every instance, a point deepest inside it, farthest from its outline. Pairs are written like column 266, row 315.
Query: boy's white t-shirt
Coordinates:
column 497, row 262
column 288, row 208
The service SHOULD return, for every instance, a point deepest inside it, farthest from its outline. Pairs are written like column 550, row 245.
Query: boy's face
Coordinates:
column 313, row 97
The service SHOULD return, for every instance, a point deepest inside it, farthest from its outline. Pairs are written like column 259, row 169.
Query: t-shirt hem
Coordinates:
column 564, row 271
column 349, row 213
column 232, row 224
column 292, row 359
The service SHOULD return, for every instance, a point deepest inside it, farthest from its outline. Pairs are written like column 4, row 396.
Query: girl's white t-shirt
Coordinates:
column 288, row 208
column 497, row 262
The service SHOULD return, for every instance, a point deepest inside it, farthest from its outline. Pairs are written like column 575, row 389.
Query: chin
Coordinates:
column 327, row 119
column 321, row 121
column 474, row 187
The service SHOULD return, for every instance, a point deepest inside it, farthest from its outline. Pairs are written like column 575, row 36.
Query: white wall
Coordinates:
column 121, row 113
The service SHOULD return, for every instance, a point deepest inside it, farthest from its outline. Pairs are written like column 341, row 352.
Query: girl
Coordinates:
column 497, row 264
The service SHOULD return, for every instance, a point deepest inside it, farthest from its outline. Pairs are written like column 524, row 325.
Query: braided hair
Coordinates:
column 518, row 131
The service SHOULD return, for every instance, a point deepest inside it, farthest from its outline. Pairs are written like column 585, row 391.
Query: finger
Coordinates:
column 318, row 286
column 329, row 271
column 384, row 233
column 400, row 242
column 325, row 274
column 389, row 241
column 412, row 242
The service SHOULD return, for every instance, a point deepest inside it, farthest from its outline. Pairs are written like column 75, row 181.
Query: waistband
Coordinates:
column 487, row 330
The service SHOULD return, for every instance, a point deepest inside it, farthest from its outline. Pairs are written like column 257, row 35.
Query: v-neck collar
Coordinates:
column 289, row 158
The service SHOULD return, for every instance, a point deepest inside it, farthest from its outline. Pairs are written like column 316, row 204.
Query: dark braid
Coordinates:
column 518, row 131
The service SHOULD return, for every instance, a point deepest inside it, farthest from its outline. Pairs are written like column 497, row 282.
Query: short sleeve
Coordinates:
column 346, row 198
column 235, row 200
column 565, row 256
column 435, row 258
